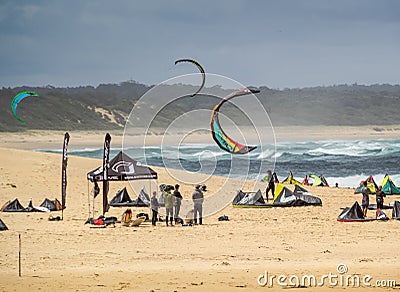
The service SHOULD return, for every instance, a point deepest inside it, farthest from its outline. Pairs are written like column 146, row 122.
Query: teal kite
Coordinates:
column 203, row 73
column 17, row 99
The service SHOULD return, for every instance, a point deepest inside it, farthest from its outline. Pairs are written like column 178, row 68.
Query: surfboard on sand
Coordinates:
column 137, row 221
column 41, row 209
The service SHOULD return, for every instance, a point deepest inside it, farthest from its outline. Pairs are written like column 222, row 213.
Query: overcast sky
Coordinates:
column 273, row 43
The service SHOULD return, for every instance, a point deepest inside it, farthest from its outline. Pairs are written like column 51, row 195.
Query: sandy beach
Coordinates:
column 216, row 256
column 35, row 139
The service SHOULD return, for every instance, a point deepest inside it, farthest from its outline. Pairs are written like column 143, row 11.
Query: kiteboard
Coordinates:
column 41, row 209
column 137, row 221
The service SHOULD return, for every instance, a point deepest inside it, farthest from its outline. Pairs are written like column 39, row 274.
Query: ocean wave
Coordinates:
column 346, row 162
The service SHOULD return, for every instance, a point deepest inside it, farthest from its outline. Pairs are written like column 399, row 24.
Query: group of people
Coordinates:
column 365, row 191
column 173, row 200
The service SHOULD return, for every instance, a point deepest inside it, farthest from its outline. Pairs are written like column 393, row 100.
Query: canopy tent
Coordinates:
column 2, row 225
column 120, row 168
column 319, row 181
column 290, row 180
column 249, row 199
column 396, row 210
column 388, row 187
column 370, row 184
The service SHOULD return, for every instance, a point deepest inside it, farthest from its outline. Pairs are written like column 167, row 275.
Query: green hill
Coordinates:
column 107, row 106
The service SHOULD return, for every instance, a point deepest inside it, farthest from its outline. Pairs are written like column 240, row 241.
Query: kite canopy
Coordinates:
column 203, row 73
column 51, row 205
column 17, row 99
column 2, row 225
column 380, row 215
column 249, row 199
column 370, row 184
column 299, row 197
column 121, row 168
column 122, row 199
column 220, row 137
column 290, row 180
column 14, row 206
column 319, row 181
column 388, row 187
column 283, row 198
column 352, row 214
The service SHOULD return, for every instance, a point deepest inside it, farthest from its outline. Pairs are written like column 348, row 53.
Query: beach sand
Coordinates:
column 216, row 256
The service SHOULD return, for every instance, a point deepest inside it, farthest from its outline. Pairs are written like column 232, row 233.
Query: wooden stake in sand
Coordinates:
column 19, row 255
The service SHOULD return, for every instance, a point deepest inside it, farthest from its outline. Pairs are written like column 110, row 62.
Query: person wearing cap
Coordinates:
column 198, row 199
column 177, row 202
column 154, row 208
column 169, row 204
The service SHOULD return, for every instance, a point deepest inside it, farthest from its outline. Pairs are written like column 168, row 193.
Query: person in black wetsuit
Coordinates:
column 379, row 198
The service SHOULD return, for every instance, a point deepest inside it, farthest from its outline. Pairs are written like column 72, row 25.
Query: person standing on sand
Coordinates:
column 365, row 200
column 379, row 198
column 154, row 208
column 271, row 184
column 198, row 199
column 169, row 204
column 177, row 202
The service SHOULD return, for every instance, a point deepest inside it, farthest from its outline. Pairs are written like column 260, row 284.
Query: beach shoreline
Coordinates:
column 46, row 139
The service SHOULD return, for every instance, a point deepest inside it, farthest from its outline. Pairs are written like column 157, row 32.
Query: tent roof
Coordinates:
column 122, row 167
